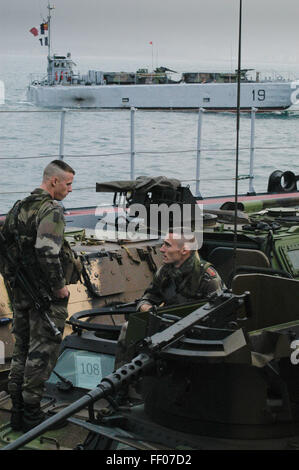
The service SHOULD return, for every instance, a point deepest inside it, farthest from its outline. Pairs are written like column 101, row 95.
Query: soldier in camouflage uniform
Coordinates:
column 34, row 231
column 183, row 277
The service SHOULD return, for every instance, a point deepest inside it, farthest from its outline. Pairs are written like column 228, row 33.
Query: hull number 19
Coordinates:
column 258, row 95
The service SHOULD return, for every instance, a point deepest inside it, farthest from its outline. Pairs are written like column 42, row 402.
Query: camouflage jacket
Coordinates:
column 195, row 279
column 34, row 231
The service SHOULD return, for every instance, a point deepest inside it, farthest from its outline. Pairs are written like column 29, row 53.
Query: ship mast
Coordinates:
column 49, row 29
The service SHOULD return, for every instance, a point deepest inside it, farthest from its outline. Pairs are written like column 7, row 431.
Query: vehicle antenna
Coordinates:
column 237, row 140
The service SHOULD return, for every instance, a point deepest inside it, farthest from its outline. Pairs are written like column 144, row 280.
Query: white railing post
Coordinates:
column 198, row 152
column 61, row 145
column 132, row 172
column 252, row 136
column 2, row 92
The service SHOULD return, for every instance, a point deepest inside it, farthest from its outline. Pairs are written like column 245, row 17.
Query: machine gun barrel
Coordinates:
column 224, row 310
column 41, row 304
column 108, row 386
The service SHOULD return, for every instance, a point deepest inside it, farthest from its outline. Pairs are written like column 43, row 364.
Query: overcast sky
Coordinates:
column 191, row 30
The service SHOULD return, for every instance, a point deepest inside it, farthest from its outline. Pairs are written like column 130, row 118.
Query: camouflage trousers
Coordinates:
column 36, row 348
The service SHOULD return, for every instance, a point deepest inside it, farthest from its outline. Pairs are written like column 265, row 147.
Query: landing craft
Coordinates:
column 162, row 88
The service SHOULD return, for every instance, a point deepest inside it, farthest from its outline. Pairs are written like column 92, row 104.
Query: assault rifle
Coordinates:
column 26, row 283
column 223, row 310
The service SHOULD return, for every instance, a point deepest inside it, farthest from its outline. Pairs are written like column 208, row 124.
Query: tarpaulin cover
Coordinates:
column 142, row 184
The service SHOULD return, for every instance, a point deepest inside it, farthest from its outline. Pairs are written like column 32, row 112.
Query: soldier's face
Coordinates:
column 173, row 251
column 63, row 185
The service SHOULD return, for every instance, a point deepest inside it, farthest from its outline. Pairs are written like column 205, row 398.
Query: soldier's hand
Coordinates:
column 145, row 307
column 62, row 293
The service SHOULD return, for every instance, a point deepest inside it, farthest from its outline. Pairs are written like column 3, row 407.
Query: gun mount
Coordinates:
column 207, row 381
column 152, row 349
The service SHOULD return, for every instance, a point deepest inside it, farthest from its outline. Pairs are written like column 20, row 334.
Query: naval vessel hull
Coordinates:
column 211, row 96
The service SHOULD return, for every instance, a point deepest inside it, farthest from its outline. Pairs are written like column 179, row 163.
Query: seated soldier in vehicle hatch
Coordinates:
column 183, row 277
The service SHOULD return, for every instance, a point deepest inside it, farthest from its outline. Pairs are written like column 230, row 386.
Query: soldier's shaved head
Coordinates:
column 178, row 246
column 184, row 237
column 57, row 179
column 57, row 168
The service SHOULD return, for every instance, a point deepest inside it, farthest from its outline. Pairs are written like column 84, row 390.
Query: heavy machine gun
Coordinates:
column 25, row 280
column 225, row 310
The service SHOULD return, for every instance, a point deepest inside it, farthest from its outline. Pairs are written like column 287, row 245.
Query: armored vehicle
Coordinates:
column 221, row 377
column 229, row 363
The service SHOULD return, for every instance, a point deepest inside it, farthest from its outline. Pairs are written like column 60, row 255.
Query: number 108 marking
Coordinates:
column 90, row 369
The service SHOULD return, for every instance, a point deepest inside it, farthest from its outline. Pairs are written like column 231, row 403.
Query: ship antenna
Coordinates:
column 237, row 142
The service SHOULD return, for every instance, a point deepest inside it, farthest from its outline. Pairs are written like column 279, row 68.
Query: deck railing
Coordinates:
column 198, row 151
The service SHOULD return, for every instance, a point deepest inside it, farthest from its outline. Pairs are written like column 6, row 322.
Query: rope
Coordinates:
column 74, row 110
column 136, row 261
column 156, row 152
column 240, row 177
column 66, row 156
column 244, row 177
column 29, row 190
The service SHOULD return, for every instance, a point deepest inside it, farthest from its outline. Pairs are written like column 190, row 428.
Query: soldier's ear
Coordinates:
column 54, row 181
column 184, row 250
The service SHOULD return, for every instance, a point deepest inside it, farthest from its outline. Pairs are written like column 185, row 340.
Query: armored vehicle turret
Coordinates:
column 222, row 377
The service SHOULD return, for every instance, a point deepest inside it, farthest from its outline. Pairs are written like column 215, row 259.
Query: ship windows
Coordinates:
column 125, row 100
column 206, row 100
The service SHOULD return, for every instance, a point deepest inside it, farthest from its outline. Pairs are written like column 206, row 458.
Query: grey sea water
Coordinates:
column 97, row 143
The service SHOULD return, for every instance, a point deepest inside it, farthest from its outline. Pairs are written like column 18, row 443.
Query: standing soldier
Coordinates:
column 34, row 233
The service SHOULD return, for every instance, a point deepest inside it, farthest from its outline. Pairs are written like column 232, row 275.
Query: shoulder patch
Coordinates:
column 211, row 271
